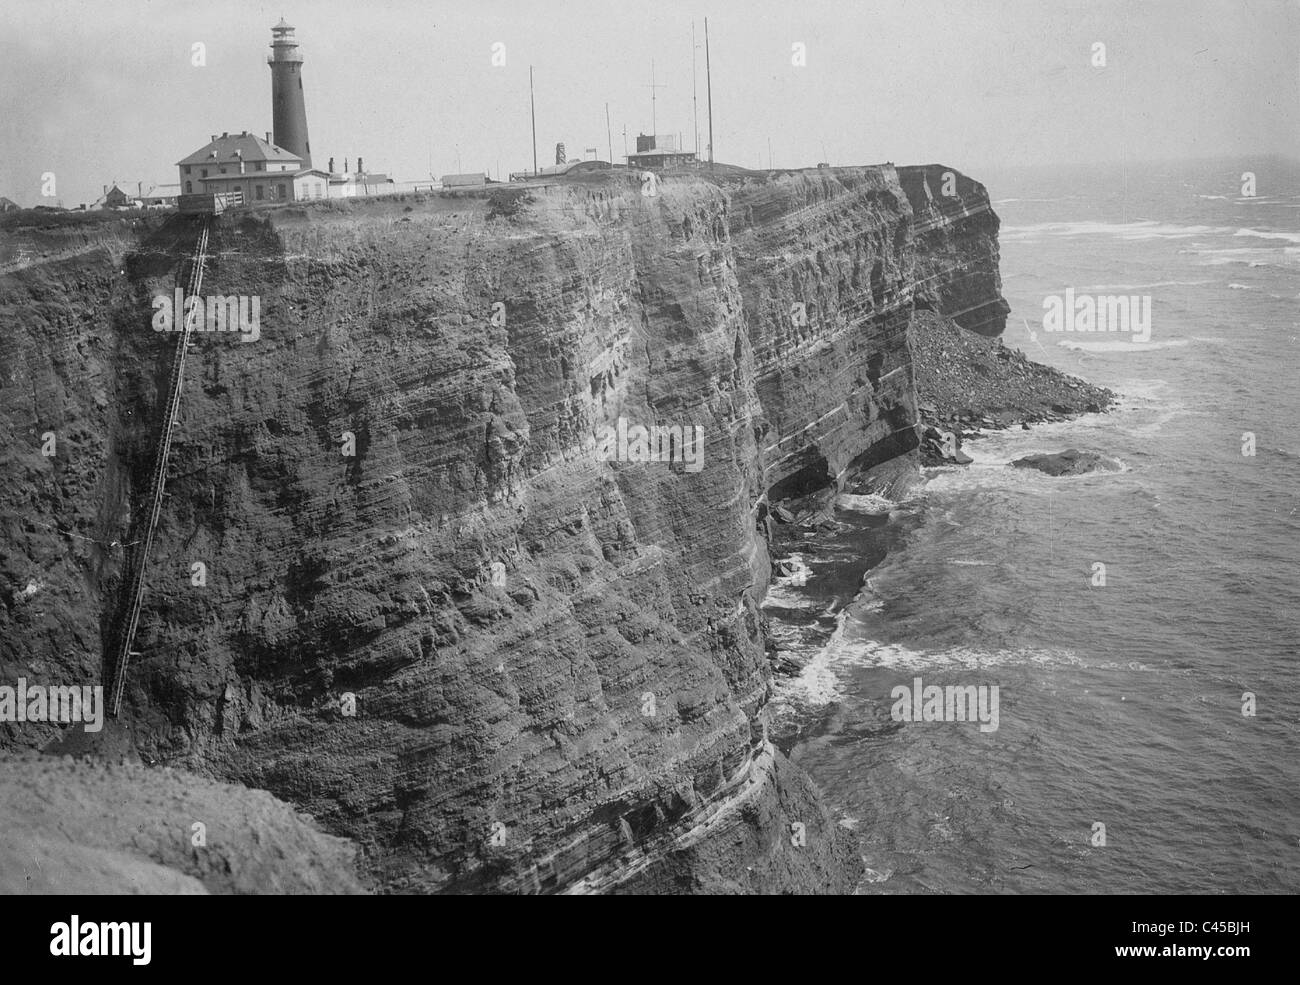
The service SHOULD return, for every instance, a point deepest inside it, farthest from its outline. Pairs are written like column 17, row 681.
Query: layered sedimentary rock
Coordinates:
column 957, row 270
column 396, row 494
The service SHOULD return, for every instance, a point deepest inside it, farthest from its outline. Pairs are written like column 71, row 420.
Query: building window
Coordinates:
column 259, row 192
column 188, row 188
column 187, row 169
column 205, row 172
column 284, row 191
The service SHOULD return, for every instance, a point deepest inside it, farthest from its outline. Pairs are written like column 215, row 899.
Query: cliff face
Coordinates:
column 588, row 718
column 957, row 270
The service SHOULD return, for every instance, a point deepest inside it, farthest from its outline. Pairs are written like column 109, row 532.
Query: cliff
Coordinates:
column 957, row 271
column 589, row 719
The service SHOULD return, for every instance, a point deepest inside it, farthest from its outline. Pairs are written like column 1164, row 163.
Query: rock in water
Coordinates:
column 1072, row 461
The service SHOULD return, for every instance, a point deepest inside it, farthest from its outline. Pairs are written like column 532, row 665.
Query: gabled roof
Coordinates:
column 248, row 146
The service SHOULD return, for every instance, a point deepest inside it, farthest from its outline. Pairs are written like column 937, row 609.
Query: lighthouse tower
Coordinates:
column 288, row 111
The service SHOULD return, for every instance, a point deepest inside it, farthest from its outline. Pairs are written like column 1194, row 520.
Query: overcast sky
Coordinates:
column 98, row 91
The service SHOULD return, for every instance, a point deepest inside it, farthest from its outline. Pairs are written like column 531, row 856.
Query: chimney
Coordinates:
column 268, row 137
column 345, row 165
column 139, row 189
column 106, row 189
column 331, row 165
column 213, row 138
column 361, row 168
column 224, row 136
column 244, row 134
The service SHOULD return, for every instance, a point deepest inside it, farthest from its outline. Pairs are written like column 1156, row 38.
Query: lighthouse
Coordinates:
column 288, row 111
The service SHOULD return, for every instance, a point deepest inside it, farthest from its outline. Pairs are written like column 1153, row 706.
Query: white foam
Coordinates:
column 1121, row 346
column 1138, row 287
column 872, row 503
column 1140, row 230
column 1269, row 234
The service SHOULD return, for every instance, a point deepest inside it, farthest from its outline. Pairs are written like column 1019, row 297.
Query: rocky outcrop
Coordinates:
column 432, row 612
column 966, row 383
column 957, row 248
column 1072, row 461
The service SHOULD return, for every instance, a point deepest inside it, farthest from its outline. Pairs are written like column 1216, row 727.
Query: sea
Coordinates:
column 1148, row 735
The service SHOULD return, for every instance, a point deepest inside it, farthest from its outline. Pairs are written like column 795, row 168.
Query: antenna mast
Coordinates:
column 695, row 99
column 532, row 108
column 708, row 73
column 654, row 122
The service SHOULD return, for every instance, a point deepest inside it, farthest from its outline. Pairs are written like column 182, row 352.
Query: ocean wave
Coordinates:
column 1140, row 230
column 1269, row 234
column 1135, row 287
column 1240, row 287
column 893, row 656
column 1280, row 256
column 1121, row 346
column 844, row 654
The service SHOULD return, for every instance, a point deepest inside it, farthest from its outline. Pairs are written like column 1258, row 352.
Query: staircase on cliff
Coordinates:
column 135, row 586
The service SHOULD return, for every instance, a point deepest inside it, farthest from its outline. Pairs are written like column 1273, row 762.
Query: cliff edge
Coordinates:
column 445, row 609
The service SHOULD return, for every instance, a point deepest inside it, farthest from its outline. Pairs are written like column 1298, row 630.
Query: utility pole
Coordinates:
column 609, row 137
column 708, row 75
column 532, row 107
column 695, row 99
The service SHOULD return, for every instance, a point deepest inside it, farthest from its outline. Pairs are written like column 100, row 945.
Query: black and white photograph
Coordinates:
column 682, row 448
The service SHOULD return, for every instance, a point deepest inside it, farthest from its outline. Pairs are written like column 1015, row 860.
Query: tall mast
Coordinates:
column 695, row 99
column 708, row 74
column 609, row 136
column 532, row 108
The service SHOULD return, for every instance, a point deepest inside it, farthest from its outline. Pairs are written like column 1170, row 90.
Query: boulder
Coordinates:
column 1072, row 461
